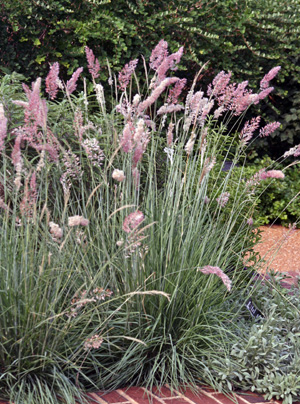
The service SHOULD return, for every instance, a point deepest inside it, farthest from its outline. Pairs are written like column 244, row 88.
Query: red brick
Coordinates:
column 201, row 398
column 252, row 397
column 113, row 397
column 96, row 398
column 140, row 395
column 225, row 399
column 164, row 392
column 208, row 389
column 180, row 400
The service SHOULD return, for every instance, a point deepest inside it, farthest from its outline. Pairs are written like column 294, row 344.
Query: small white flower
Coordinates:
column 170, row 154
column 77, row 221
column 118, row 175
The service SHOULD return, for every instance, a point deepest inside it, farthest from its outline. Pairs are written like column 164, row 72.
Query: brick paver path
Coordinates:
column 204, row 395
column 139, row 395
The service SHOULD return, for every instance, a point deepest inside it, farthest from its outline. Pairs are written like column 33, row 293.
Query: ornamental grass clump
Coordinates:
column 122, row 237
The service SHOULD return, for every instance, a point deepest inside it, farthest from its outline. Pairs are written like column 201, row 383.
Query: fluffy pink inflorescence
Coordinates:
column 207, row 270
column 35, row 110
column 170, row 134
column 136, row 176
column 126, row 140
column 126, row 73
column 219, row 84
column 223, row 199
column 138, row 154
column 156, row 93
column 272, row 174
column 161, row 62
column 169, row 63
column 236, row 97
column 29, row 196
column 132, row 221
column 268, row 77
column 294, row 151
column 56, row 231
column 93, row 63
column 159, row 53
column 16, row 152
column 168, row 109
column 250, row 221
column 249, row 128
column 268, row 129
column 264, row 93
column 35, row 118
column 77, row 221
column 93, row 342
column 52, row 80
column 72, row 83
column 175, row 92
column 140, row 140
column 118, row 175
column 94, row 152
column 3, row 127
column 241, row 98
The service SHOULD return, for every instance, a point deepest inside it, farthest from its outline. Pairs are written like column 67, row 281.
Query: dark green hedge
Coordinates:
column 245, row 36
column 248, row 37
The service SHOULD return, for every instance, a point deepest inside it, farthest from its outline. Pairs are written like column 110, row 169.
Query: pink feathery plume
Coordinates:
column 136, row 176
column 77, row 221
column 52, row 80
column 72, row 83
column 138, row 153
column 156, row 93
column 170, row 134
column 207, row 270
column 219, row 111
column 219, row 84
column 294, row 151
column 93, row 63
column 272, row 174
column 126, row 73
column 169, row 63
column 168, row 109
column 3, row 127
column 175, row 92
column 32, row 113
column 126, row 141
column 264, row 93
column 16, row 152
column 250, row 221
column 268, row 129
column 141, row 139
column 132, row 221
column 33, row 190
column 223, row 199
column 249, row 128
column 159, row 53
column 205, row 111
column 29, row 196
column 53, row 153
column 268, row 77
column 241, row 98
column 35, row 111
